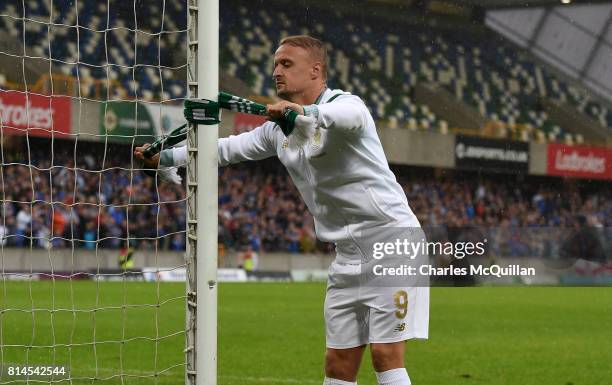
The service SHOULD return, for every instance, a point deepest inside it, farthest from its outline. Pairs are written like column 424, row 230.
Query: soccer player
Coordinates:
column 126, row 260
column 336, row 160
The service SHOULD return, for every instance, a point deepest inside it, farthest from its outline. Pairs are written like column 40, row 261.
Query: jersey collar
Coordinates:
column 321, row 96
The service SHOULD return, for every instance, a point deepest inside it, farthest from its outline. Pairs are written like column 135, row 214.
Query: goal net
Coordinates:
column 93, row 264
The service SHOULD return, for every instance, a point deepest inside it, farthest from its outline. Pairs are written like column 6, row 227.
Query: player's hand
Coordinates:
column 152, row 162
column 276, row 111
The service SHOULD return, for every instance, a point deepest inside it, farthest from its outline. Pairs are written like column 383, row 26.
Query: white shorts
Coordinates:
column 357, row 315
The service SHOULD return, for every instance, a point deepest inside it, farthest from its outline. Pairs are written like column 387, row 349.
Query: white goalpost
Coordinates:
column 87, row 240
column 202, row 181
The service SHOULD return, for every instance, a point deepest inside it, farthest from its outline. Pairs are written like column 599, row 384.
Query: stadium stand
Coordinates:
column 140, row 66
column 258, row 204
column 90, row 204
column 501, row 83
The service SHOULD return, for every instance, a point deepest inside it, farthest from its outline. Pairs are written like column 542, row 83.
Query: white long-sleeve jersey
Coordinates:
column 339, row 168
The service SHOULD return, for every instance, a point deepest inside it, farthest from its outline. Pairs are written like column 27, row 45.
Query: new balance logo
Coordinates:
column 400, row 327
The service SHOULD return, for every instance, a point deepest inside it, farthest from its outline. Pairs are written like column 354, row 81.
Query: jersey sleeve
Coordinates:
column 257, row 144
column 171, row 157
column 347, row 113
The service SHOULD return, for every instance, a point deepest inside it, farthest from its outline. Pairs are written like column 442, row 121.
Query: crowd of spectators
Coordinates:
column 102, row 202
column 47, row 204
column 519, row 216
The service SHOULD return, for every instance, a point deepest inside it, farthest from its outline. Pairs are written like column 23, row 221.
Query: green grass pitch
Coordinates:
column 272, row 333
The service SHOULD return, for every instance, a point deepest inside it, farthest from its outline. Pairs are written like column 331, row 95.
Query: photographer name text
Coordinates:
column 423, row 270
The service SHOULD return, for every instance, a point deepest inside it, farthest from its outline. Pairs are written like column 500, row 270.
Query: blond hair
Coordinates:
column 314, row 46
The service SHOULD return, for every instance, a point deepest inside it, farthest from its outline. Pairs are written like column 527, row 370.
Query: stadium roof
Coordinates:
column 577, row 40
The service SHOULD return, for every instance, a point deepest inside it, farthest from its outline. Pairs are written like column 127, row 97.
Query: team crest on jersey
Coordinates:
column 285, row 143
column 317, row 137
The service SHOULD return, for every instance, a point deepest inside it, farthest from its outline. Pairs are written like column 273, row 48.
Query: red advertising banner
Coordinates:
column 38, row 114
column 246, row 122
column 579, row 161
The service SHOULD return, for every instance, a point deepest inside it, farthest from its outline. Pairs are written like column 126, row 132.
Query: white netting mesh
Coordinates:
column 86, row 238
